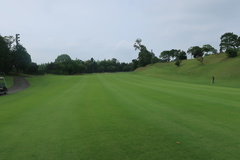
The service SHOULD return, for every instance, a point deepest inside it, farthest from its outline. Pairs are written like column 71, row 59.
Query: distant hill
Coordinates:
column 225, row 70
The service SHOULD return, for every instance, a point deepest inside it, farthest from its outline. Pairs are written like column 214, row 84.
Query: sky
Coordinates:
column 106, row 29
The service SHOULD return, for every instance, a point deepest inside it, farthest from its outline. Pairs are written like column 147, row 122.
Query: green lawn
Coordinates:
column 123, row 116
column 225, row 70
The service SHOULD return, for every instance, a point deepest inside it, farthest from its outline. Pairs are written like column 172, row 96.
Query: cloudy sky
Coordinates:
column 105, row 29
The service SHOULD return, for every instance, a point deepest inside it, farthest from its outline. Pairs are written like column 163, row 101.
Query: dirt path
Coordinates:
column 19, row 84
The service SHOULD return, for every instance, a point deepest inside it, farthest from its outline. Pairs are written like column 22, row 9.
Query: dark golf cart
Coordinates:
column 3, row 86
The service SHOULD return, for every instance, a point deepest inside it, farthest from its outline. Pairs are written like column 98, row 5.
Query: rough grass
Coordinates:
column 119, row 116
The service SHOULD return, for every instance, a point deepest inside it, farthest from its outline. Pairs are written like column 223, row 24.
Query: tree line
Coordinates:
column 63, row 64
column 15, row 58
column 230, row 44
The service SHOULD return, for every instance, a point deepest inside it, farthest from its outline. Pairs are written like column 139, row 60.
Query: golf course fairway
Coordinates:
column 119, row 116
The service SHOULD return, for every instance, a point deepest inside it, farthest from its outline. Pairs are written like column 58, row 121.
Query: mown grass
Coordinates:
column 119, row 116
column 225, row 70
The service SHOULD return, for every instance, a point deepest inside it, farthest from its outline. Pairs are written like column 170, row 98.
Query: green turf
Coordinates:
column 123, row 116
column 225, row 70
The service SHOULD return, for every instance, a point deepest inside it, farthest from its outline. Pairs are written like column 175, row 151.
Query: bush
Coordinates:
column 177, row 63
column 231, row 52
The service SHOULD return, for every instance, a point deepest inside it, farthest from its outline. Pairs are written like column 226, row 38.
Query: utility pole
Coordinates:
column 17, row 39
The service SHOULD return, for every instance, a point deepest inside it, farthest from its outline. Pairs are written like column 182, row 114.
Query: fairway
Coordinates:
column 119, row 116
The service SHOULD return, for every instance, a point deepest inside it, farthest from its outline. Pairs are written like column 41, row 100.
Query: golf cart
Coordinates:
column 3, row 86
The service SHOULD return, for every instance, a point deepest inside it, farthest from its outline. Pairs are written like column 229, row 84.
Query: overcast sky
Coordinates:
column 106, row 29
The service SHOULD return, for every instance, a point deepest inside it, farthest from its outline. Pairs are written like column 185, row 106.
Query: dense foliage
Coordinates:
column 14, row 58
column 145, row 57
column 231, row 52
column 5, row 56
column 195, row 51
column 229, row 40
column 173, row 54
column 65, row 65
column 230, row 43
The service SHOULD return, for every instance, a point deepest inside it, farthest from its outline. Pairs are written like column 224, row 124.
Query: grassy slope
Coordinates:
column 119, row 116
column 225, row 70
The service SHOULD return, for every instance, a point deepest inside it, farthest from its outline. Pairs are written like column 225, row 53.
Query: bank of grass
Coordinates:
column 119, row 116
column 225, row 70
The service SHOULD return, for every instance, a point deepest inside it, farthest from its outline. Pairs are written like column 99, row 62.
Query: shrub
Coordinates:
column 177, row 63
column 231, row 52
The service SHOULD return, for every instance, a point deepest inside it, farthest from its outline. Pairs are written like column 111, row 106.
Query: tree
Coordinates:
column 173, row 54
column 195, row 51
column 63, row 58
column 135, row 64
column 32, row 68
column 42, row 68
column 20, row 58
column 178, row 62
column 5, row 56
column 208, row 48
column 178, row 54
column 9, row 40
column 155, row 59
column 50, row 68
column 64, row 64
column 231, row 52
column 182, row 55
column 144, row 56
column 91, row 66
column 166, row 55
column 79, row 66
column 238, row 43
column 137, row 45
column 229, row 40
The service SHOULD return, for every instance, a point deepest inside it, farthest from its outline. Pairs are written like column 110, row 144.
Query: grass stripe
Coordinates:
column 119, row 116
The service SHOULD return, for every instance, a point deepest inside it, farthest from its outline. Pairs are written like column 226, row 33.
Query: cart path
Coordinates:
column 19, row 84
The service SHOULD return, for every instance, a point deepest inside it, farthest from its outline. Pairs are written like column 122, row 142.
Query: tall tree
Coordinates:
column 32, row 68
column 79, row 66
column 5, row 57
column 195, row 51
column 135, row 64
column 144, row 56
column 64, row 64
column 181, row 55
column 166, row 55
column 229, row 40
column 231, row 52
column 10, row 41
column 178, row 54
column 207, row 48
column 20, row 58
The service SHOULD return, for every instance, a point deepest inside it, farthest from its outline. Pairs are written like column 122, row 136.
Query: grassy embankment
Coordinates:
column 225, row 70
column 139, row 115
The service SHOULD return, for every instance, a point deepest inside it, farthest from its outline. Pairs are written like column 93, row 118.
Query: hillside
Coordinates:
column 225, row 70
